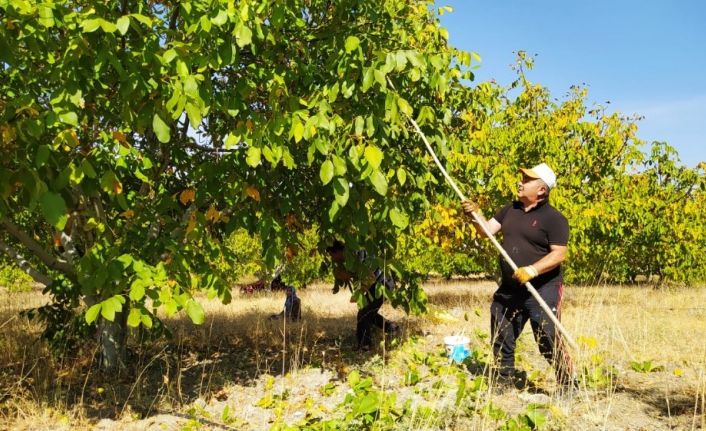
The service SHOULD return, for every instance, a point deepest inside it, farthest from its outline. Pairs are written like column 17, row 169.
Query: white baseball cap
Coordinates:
column 543, row 172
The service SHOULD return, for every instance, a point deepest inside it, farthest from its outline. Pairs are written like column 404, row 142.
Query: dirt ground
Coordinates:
column 642, row 353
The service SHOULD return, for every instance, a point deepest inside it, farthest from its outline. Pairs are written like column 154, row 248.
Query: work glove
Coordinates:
column 525, row 274
column 470, row 206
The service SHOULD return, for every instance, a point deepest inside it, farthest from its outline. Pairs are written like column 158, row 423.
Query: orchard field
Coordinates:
column 154, row 155
column 643, row 368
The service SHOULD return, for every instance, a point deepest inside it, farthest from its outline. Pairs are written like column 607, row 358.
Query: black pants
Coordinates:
column 367, row 318
column 508, row 315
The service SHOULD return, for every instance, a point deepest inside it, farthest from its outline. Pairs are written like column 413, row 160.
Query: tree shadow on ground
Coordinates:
column 686, row 402
column 203, row 361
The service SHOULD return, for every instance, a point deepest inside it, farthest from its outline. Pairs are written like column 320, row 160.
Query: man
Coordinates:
column 368, row 316
column 535, row 236
column 292, row 304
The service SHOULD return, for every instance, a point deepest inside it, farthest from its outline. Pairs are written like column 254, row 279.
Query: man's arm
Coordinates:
column 492, row 226
column 557, row 254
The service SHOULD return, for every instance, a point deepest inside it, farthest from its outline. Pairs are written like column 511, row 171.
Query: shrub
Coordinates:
column 14, row 278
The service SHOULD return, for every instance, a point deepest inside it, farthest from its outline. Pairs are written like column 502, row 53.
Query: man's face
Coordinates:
column 530, row 188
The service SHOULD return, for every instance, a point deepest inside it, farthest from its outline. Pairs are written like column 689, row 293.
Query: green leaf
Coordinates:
column 404, row 106
column 125, row 260
column 369, row 404
column 359, row 125
column 191, row 87
column 146, row 320
column 400, row 60
column 380, row 78
column 333, row 211
column 90, row 25
column 46, row 15
column 92, row 313
column 399, row 218
column 243, row 35
column 76, row 174
column 110, row 183
column 353, row 379
column 368, row 77
column 231, row 141
column 111, row 306
column 373, row 155
column 161, row 129
column 108, row 26
column 221, row 18
column 170, row 307
column 69, row 118
column 133, row 319
column 254, row 157
column 42, row 156
column 339, row 165
column 326, row 172
column 194, row 114
column 54, row 209
column 352, row 43
column 379, row 182
column 195, row 312
column 298, row 131
column 137, row 289
column 341, row 191
column 87, row 169
column 169, row 55
column 123, row 24
column 401, row 175
column 288, row 160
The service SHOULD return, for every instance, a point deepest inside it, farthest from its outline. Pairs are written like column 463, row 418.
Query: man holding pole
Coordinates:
column 534, row 235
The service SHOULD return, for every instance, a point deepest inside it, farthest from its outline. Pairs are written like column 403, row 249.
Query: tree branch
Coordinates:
column 24, row 264
column 50, row 261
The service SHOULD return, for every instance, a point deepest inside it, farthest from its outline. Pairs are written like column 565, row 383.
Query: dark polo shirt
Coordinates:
column 527, row 237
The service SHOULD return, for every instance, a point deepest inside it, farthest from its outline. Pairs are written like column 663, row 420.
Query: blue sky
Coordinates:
column 646, row 57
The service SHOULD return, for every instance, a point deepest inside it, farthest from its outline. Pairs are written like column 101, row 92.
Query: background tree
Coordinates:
column 630, row 213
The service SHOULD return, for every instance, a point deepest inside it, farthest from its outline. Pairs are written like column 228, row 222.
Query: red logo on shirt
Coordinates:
column 534, row 223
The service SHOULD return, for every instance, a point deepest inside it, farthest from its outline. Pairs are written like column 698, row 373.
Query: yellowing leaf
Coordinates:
column 298, row 131
column 373, row 155
column 252, row 192
column 213, row 214
column 191, row 225
column 352, row 43
column 187, row 196
column 128, row 214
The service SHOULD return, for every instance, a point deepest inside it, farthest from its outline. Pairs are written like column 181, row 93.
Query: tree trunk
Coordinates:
column 113, row 339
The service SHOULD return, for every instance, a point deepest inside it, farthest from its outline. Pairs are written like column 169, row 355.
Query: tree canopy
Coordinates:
column 137, row 135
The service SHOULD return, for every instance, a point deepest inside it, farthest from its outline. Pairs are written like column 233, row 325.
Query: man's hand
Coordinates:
column 341, row 274
column 470, row 207
column 525, row 274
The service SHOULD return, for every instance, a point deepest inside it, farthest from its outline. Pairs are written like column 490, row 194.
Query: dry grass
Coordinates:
column 615, row 326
